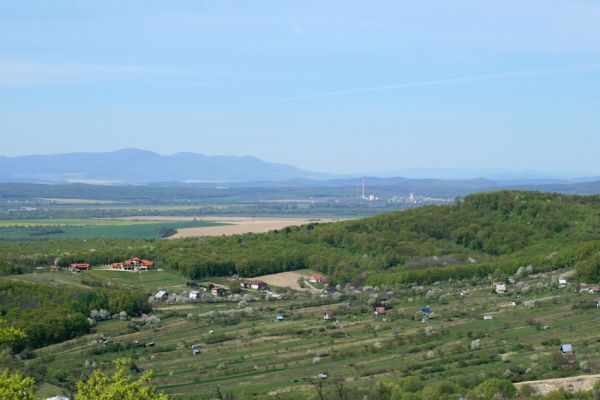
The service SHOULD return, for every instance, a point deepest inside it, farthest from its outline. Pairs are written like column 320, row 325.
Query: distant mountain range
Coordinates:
column 133, row 166
column 190, row 170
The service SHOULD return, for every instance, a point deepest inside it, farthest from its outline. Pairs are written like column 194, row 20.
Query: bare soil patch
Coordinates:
column 572, row 384
column 284, row 279
column 235, row 225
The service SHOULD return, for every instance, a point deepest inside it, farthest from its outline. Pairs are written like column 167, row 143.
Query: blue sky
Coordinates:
column 337, row 86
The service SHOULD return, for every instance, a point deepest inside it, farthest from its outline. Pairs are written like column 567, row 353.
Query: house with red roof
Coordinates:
column 317, row 278
column 133, row 264
column 80, row 267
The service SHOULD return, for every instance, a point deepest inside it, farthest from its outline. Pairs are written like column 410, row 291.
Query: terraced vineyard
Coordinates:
column 252, row 356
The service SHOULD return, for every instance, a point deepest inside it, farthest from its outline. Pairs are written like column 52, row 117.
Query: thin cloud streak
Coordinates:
column 439, row 82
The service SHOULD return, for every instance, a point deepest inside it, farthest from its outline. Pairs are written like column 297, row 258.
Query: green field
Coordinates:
column 146, row 280
column 90, row 228
column 251, row 355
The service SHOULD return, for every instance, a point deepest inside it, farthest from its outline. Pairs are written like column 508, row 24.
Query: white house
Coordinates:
column 488, row 317
column 194, row 294
column 500, row 289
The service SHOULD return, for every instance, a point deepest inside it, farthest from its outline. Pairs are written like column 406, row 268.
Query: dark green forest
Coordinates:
column 49, row 314
column 475, row 236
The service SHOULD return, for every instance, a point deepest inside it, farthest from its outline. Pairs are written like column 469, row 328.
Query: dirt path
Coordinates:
column 572, row 384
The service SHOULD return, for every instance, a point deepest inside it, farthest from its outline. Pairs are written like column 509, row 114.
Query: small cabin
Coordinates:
column 328, row 316
column 488, row 317
column 562, row 283
column 379, row 310
column 254, row 284
column 218, row 291
column 194, row 294
column 316, row 278
column 280, row 317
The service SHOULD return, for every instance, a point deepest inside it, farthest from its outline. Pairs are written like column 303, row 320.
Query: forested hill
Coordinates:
column 485, row 232
column 479, row 235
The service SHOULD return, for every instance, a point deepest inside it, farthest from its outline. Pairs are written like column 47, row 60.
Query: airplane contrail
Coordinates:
column 436, row 82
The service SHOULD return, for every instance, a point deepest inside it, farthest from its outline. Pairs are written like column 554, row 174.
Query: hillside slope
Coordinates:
column 478, row 236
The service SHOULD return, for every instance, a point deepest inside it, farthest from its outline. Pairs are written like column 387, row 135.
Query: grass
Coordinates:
column 260, row 355
column 146, row 280
column 88, row 228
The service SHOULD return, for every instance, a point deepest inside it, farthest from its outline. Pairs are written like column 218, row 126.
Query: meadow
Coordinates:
column 246, row 352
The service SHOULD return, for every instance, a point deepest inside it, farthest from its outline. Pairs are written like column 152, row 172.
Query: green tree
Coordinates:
column 493, row 388
column 15, row 387
column 119, row 386
column 9, row 335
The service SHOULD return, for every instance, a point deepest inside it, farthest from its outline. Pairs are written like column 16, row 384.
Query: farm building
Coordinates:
column 254, row 284
column 328, row 316
column 316, row 278
column 80, row 267
column 161, row 295
column 379, row 310
column 218, row 291
column 488, row 317
column 280, row 317
column 194, row 294
column 500, row 289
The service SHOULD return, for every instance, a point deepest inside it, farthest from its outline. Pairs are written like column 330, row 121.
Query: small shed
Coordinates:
column 196, row 348
column 161, row 295
column 500, row 289
column 330, row 290
column 280, row 317
column 379, row 310
column 566, row 348
column 328, row 315
column 194, row 294
column 488, row 317
column 562, row 282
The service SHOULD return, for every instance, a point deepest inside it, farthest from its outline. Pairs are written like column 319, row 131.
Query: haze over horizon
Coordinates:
column 342, row 87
